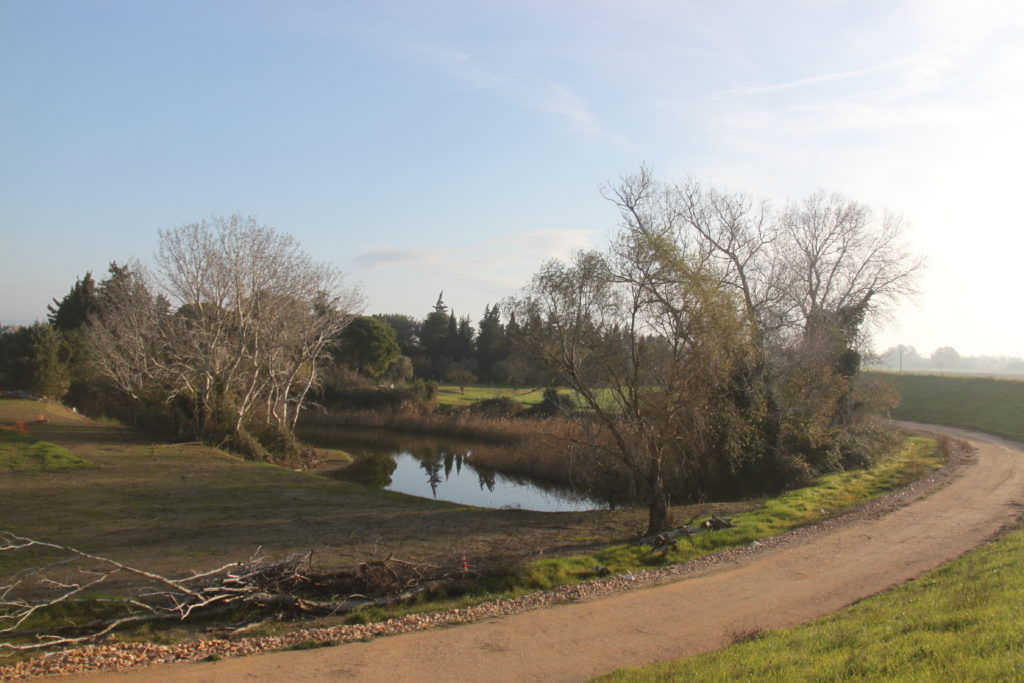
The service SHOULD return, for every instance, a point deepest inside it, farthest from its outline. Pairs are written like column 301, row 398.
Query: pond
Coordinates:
column 439, row 469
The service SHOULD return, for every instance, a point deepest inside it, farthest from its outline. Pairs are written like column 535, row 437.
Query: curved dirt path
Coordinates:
column 777, row 588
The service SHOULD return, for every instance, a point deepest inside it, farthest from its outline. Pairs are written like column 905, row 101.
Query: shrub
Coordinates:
column 421, row 395
column 554, row 404
column 501, row 406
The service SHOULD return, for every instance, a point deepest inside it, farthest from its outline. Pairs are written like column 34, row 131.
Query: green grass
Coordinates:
column 22, row 453
column 174, row 508
column 827, row 496
column 959, row 622
column 995, row 406
column 451, row 395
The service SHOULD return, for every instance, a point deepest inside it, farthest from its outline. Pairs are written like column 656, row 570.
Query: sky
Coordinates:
column 456, row 145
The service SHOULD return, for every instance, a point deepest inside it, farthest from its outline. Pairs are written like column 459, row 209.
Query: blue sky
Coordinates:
column 456, row 145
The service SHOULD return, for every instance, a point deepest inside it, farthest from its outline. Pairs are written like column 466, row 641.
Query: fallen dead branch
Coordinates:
column 290, row 585
column 667, row 538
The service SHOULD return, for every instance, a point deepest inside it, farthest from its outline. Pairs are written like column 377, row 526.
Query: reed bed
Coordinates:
column 463, row 425
column 551, row 449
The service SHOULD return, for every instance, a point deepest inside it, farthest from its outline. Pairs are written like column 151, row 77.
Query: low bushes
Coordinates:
column 420, row 395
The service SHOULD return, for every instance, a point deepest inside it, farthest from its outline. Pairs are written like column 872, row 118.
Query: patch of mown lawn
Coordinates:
column 23, row 453
column 959, row 622
column 451, row 395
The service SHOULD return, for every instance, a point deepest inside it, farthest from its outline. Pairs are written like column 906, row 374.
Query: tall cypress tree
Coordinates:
column 490, row 343
column 71, row 312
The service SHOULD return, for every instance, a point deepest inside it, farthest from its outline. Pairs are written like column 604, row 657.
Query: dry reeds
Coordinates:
column 461, row 426
column 556, row 450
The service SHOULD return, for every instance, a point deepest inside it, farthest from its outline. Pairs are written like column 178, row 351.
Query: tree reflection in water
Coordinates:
column 443, row 470
column 486, row 479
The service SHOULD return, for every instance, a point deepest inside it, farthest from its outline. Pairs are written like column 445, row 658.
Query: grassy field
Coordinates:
column 995, row 406
column 451, row 395
column 175, row 508
column 960, row 622
column 990, row 405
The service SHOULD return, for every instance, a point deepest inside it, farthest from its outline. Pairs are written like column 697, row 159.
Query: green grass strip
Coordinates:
column 451, row 395
column 961, row 622
column 22, row 453
column 827, row 496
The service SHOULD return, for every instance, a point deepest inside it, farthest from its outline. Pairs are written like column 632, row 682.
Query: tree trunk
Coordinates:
column 658, row 517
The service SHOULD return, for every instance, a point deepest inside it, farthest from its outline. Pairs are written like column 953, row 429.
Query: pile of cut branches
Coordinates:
column 290, row 585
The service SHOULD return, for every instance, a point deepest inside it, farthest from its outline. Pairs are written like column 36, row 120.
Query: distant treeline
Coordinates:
column 946, row 359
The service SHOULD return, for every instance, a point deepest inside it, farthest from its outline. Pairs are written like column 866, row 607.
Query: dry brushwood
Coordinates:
column 288, row 585
column 668, row 538
column 717, row 523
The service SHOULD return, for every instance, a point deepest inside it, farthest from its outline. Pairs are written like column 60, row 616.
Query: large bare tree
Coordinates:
column 718, row 328
column 649, row 342
column 813, row 276
column 235, row 318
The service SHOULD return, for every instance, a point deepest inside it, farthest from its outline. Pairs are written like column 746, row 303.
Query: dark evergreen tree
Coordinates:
column 71, row 312
column 491, row 346
column 434, row 338
column 15, row 352
column 48, row 371
column 407, row 332
column 439, row 307
column 69, row 317
column 466, row 333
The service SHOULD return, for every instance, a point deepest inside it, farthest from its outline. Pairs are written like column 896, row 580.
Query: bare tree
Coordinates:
column 813, row 277
column 649, row 341
column 236, row 317
column 718, row 326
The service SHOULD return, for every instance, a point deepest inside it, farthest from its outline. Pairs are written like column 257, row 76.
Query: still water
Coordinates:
column 442, row 470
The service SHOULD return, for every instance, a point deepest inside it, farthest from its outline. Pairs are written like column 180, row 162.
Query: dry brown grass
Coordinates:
column 460, row 425
column 177, row 507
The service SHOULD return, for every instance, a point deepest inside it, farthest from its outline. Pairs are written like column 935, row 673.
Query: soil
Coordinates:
column 777, row 584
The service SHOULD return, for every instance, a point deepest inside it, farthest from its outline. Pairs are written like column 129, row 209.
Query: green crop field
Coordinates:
column 995, row 406
column 960, row 622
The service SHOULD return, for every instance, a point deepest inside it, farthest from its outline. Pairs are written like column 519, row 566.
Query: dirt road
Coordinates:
column 773, row 589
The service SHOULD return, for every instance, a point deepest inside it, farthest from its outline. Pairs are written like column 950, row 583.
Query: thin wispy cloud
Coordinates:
column 529, row 91
column 517, row 255
column 470, row 274
column 816, row 80
column 399, row 258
